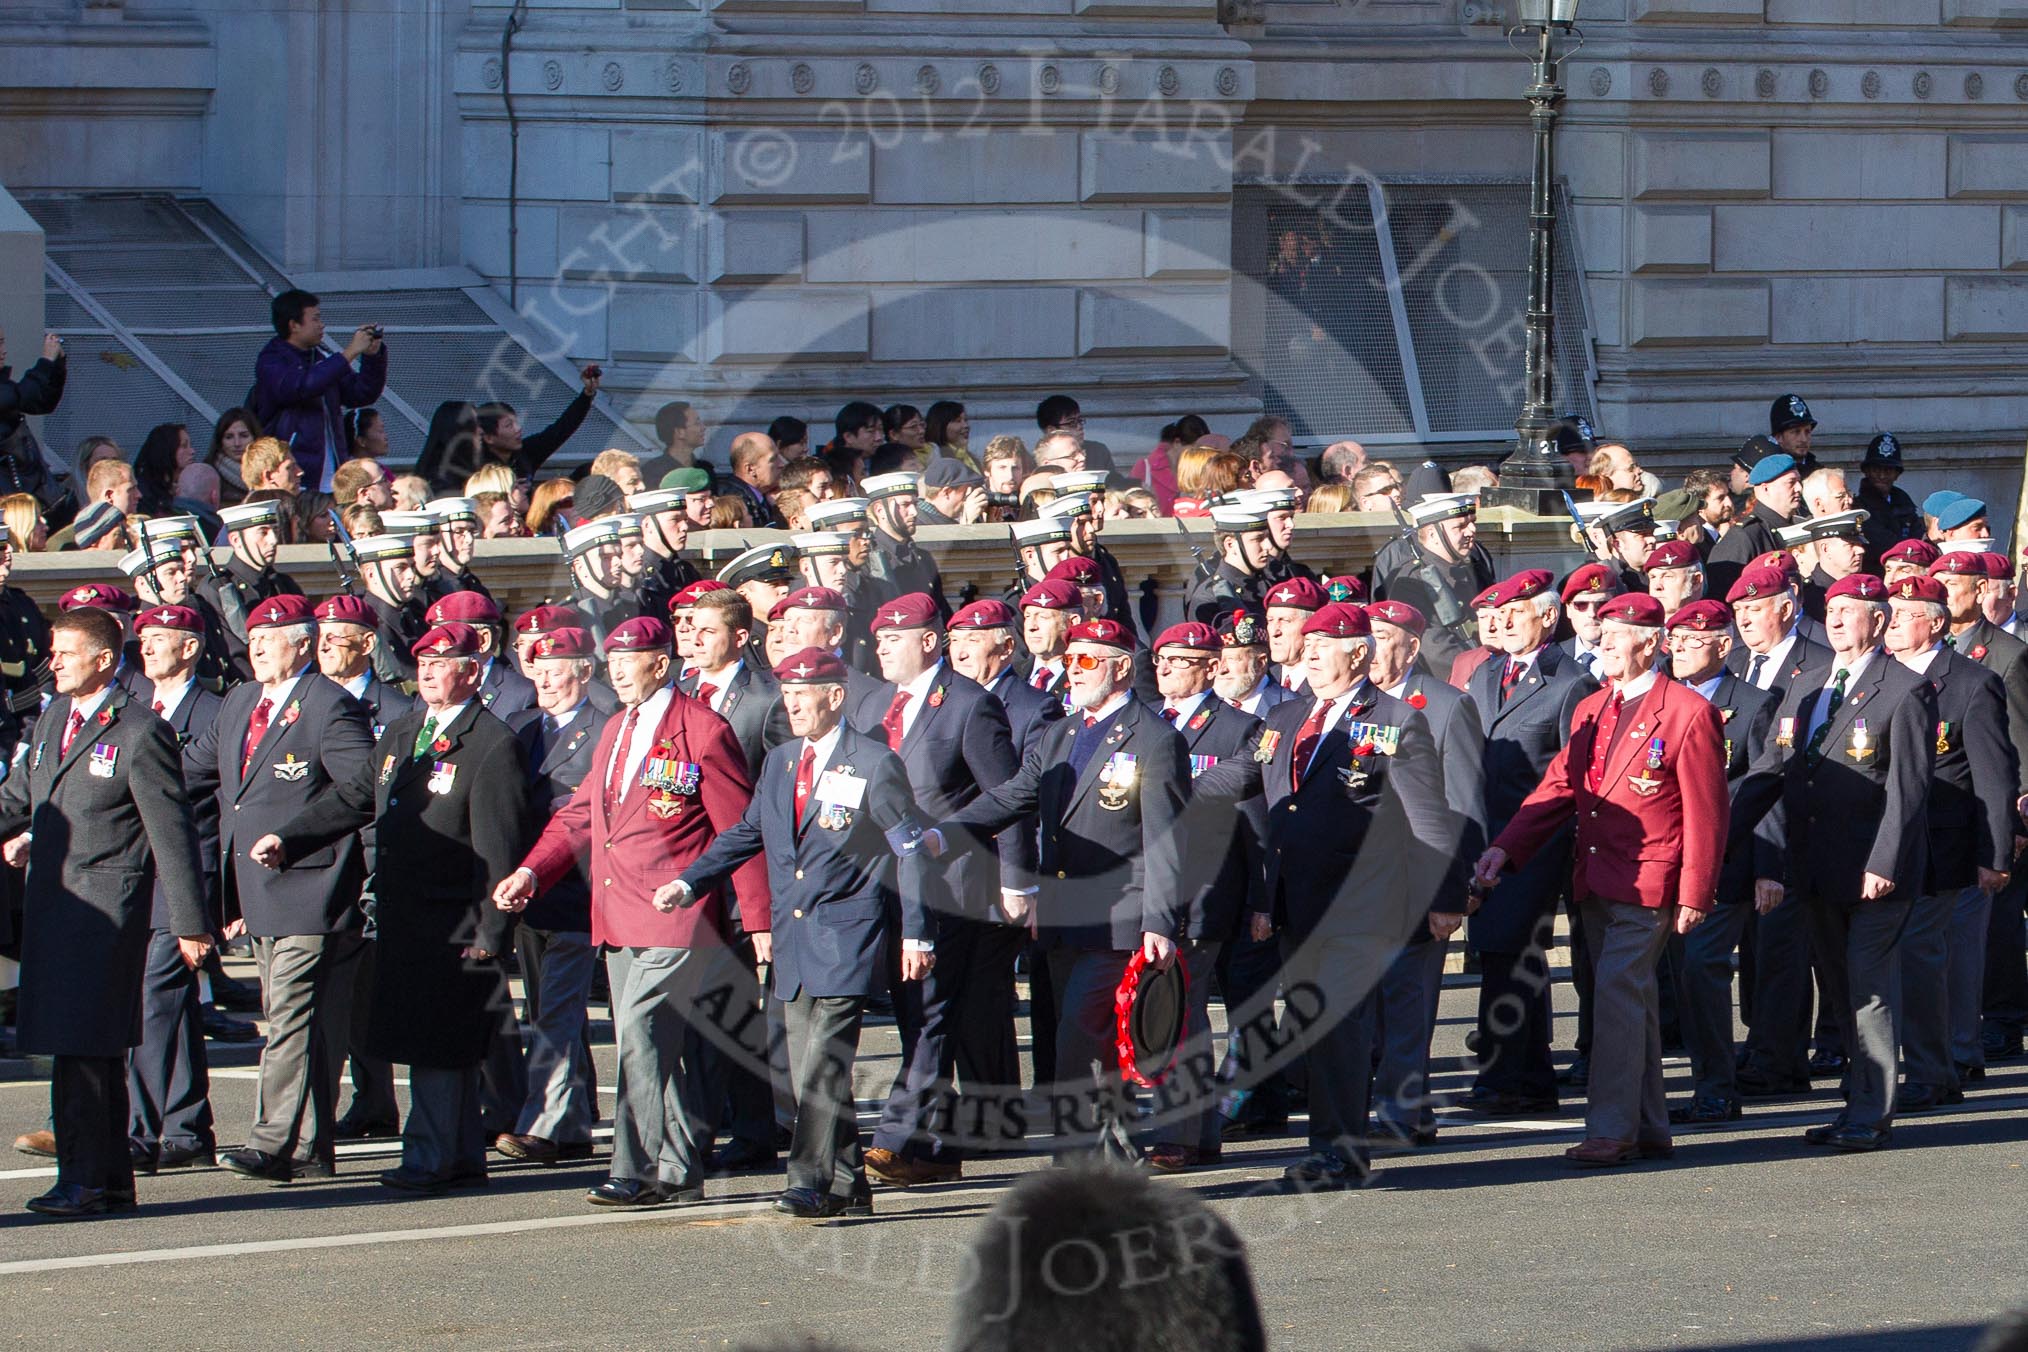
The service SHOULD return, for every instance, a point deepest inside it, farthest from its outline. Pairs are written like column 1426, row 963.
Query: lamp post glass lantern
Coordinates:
column 1548, row 13
column 1535, row 477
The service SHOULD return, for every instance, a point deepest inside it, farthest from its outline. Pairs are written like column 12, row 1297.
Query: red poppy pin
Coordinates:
column 1979, row 653
column 936, row 699
column 1365, row 748
column 294, row 711
column 440, row 745
column 105, row 718
column 1418, row 700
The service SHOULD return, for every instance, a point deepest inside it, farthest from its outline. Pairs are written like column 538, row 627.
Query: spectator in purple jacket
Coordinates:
column 301, row 397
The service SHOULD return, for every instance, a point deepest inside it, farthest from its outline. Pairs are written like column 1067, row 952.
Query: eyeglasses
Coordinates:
column 1084, row 661
column 1182, row 660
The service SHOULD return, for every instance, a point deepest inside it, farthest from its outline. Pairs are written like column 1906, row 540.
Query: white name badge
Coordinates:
column 841, row 790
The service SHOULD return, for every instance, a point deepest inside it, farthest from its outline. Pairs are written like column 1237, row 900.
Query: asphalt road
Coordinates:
column 1748, row 1238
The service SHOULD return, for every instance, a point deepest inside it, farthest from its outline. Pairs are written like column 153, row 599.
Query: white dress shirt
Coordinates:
column 720, row 682
column 1336, row 707
column 171, row 697
column 1186, row 708
column 634, row 750
column 1820, row 708
column 918, row 691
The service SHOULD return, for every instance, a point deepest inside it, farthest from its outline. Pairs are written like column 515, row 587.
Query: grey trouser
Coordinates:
column 1858, row 944
column 556, row 970
column 665, row 1101
column 1625, row 1101
column 306, row 993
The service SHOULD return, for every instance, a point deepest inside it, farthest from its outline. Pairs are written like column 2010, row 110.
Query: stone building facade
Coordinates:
column 773, row 205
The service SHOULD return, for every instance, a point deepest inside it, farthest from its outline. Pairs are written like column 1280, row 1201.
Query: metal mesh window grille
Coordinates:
column 1395, row 314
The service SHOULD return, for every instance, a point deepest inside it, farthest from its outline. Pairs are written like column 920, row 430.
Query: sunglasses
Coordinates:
column 1085, row 661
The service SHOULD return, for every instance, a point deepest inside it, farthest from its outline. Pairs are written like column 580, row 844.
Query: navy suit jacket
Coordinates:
column 1224, row 865
column 753, row 705
column 1461, row 752
column 1971, row 804
column 556, row 766
column 1029, row 710
column 1109, row 860
column 188, row 720
column 328, row 738
column 834, row 887
column 1522, row 737
column 958, row 746
column 505, row 692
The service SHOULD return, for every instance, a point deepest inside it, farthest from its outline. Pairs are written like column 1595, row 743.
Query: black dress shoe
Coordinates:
column 251, row 1163
column 405, row 1179
column 1502, row 1104
column 807, row 1204
column 1857, row 1139
column 633, row 1192
column 1825, row 1064
column 349, row 1128
column 1753, row 1085
column 1821, row 1135
column 222, row 1027
column 142, row 1156
column 744, row 1155
column 1971, row 1074
column 1323, row 1171
column 2000, row 1044
column 860, row 1203
column 68, row 1201
column 1577, row 1074
column 185, row 1156
column 1923, row 1098
column 1705, row 1111
column 121, row 1199
column 241, row 997
column 248, row 1162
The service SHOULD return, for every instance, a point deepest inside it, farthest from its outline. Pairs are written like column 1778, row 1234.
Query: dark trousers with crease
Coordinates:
column 825, row 1152
column 168, row 1078
column 88, row 1112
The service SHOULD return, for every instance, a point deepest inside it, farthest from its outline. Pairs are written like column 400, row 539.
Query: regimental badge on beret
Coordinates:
column 778, row 559
column 440, row 647
column 1242, row 630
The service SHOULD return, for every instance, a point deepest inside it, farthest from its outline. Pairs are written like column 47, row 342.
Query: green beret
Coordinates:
column 692, row 480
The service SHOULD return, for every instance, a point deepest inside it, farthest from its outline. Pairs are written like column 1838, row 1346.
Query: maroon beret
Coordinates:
column 1529, row 582
column 449, row 639
column 100, row 596
column 811, row 666
column 1298, row 593
column 464, row 607
column 777, row 610
column 1347, row 588
column 1637, row 608
column 1916, row 587
column 1756, row 582
column 1400, row 614
column 686, row 598
column 1488, row 598
column 984, row 614
column 1077, row 570
column 566, row 642
column 816, row 598
column 1997, row 565
column 1921, row 553
column 545, row 619
column 1704, row 617
column 1105, row 633
column 1863, row 586
column 1594, row 579
column 1781, row 559
column 181, row 618
column 1053, row 594
column 1339, row 619
column 1673, row 554
column 642, row 634
column 1192, row 634
column 1959, row 563
column 345, row 608
column 913, row 611
column 279, row 612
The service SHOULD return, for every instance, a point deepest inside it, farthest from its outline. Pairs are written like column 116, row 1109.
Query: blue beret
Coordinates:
column 1771, row 467
column 1934, row 504
column 1957, row 513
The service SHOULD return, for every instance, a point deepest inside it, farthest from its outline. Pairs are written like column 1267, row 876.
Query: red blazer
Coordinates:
column 1465, row 663
column 1661, row 847
column 627, row 857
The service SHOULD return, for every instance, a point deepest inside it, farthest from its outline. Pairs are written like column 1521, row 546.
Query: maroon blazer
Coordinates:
column 1654, row 834
column 655, row 835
